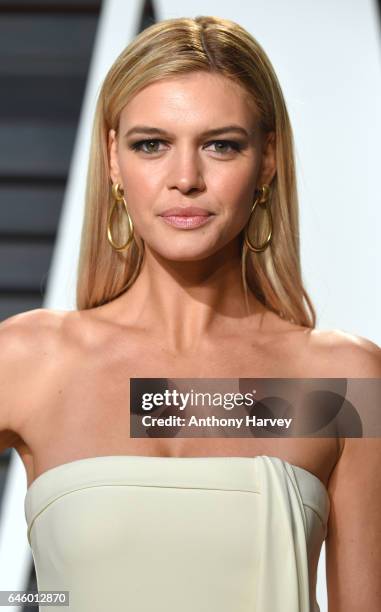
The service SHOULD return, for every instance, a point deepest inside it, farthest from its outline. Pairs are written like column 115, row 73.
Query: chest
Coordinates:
column 86, row 411
column 94, row 394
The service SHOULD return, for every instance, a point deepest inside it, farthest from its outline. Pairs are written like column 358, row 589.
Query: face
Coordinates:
column 180, row 164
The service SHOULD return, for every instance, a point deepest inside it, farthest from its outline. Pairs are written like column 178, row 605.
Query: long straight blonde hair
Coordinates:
column 177, row 47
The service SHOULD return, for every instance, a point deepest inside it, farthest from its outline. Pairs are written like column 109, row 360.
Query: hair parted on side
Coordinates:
column 177, row 47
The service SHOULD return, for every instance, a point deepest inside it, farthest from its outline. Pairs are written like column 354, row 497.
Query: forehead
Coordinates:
column 196, row 100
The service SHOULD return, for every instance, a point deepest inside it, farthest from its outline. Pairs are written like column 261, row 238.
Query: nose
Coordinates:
column 185, row 172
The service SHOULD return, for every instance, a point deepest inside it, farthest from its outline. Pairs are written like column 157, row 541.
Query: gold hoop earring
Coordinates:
column 262, row 198
column 119, row 197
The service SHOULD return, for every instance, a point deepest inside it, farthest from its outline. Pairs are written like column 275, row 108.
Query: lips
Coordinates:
column 190, row 211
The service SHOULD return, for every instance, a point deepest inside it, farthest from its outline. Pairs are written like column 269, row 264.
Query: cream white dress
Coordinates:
column 171, row 534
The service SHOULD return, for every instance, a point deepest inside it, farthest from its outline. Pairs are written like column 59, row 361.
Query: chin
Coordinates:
column 180, row 256
column 183, row 253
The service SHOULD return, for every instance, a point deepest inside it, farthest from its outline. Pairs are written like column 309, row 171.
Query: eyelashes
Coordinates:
column 234, row 146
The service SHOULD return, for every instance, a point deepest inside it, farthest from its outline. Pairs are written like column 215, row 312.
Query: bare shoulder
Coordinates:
column 30, row 347
column 33, row 330
column 337, row 353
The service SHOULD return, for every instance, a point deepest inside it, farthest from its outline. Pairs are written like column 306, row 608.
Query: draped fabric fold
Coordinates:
column 282, row 582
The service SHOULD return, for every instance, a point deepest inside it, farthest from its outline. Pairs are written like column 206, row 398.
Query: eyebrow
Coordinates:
column 147, row 129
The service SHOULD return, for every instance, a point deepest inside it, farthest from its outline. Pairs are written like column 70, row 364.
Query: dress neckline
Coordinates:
column 47, row 472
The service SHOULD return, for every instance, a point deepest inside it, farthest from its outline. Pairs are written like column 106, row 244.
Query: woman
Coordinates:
column 189, row 267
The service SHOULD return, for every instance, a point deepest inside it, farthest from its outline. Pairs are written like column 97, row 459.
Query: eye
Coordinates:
column 230, row 143
column 137, row 146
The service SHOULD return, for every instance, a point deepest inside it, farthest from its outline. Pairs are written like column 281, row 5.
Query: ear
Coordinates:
column 268, row 164
column 113, row 157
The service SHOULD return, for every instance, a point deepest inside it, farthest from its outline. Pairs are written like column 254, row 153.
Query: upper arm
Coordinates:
column 21, row 342
column 353, row 544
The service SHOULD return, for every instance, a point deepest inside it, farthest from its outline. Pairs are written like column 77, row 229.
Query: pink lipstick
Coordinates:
column 187, row 222
column 186, row 218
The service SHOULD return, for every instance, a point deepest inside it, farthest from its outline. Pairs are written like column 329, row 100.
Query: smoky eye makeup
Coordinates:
column 222, row 146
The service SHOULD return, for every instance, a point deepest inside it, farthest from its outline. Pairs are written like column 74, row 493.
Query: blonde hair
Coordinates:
column 177, row 47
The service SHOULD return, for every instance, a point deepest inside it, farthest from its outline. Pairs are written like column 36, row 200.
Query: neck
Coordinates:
column 185, row 302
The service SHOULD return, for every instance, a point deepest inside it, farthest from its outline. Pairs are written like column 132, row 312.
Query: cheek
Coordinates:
column 234, row 192
column 142, row 186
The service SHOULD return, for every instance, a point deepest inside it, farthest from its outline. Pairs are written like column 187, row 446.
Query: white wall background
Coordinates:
column 327, row 57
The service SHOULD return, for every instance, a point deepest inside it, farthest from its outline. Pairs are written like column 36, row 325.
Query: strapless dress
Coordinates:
column 178, row 534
